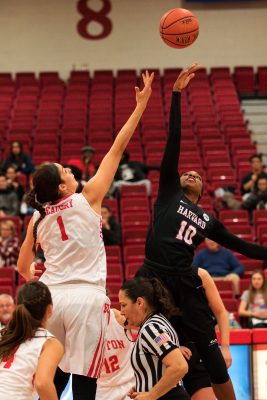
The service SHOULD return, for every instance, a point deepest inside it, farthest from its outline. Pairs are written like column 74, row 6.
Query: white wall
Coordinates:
column 39, row 35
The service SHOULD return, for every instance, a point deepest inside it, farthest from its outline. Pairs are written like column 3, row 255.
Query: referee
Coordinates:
column 156, row 358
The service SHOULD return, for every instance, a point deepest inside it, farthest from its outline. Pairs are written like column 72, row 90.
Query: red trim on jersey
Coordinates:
column 95, row 355
column 61, row 199
column 100, row 361
column 10, row 359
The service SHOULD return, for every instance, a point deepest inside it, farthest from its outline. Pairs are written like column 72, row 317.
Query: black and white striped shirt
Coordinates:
column 155, row 340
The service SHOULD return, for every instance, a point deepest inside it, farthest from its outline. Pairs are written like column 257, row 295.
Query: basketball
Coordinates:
column 179, row 28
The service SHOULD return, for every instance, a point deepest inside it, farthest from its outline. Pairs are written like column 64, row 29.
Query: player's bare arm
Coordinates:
column 49, row 359
column 26, row 254
column 218, row 309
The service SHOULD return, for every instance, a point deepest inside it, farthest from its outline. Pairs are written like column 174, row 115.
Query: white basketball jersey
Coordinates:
column 117, row 368
column 71, row 238
column 17, row 373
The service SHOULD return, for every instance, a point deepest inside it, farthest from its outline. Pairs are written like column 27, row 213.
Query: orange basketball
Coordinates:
column 179, row 28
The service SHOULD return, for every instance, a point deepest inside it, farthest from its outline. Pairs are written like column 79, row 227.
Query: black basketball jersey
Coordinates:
column 178, row 226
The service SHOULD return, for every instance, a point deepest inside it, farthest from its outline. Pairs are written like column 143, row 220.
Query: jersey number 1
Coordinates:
column 186, row 232
column 64, row 235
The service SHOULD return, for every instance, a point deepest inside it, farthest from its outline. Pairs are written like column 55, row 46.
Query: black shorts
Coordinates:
column 177, row 393
column 197, row 319
column 196, row 322
column 197, row 377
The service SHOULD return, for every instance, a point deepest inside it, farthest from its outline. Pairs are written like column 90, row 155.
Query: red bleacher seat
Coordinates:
column 260, row 217
column 261, row 232
column 262, row 81
column 227, row 294
column 133, row 191
column 113, row 254
column 7, row 289
column 114, row 272
column 221, row 174
column 133, row 254
column 231, row 305
column 232, row 217
column 112, row 204
column 131, row 269
column 252, row 265
column 241, row 229
column 243, row 285
column 134, row 235
column 135, row 220
column 113, row 287
column 244, row 79
column 224, row 285
column 8, row 276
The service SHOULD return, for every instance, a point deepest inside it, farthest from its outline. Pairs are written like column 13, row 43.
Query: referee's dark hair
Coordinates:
column 155, row 294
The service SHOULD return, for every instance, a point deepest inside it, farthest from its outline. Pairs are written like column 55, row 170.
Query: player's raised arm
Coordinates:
column 224, row 237
column 169, row 177
column 97, row 187
column 26, row 254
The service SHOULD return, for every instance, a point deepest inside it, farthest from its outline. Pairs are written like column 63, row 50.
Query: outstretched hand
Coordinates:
column 185, row 77
column 142, row 96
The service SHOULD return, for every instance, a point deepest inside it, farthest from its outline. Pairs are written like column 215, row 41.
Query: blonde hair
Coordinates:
column 10, row 224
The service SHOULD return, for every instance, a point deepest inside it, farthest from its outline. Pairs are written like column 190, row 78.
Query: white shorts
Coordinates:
column 114, row 392
column 80, row 318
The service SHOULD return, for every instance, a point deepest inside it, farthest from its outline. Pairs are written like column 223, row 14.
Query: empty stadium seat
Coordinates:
column 113, row 254
column 8, row 276
column 134, row 253
column 232, row 217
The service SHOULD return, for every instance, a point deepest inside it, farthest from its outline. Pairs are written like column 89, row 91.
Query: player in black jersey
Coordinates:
column 178, row 226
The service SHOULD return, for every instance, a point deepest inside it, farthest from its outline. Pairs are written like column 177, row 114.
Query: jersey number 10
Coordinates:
column 186, row 232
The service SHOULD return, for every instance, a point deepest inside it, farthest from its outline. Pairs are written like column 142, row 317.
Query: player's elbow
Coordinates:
column 43, row 386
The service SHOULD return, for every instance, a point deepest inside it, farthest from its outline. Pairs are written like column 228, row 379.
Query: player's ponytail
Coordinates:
column 156, row 295
column 163, row 299
column 45, row 190
column 33, row 299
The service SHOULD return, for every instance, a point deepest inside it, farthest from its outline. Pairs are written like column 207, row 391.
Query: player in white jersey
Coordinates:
column 68, row 228
column 117, row 375
column 29, row 354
